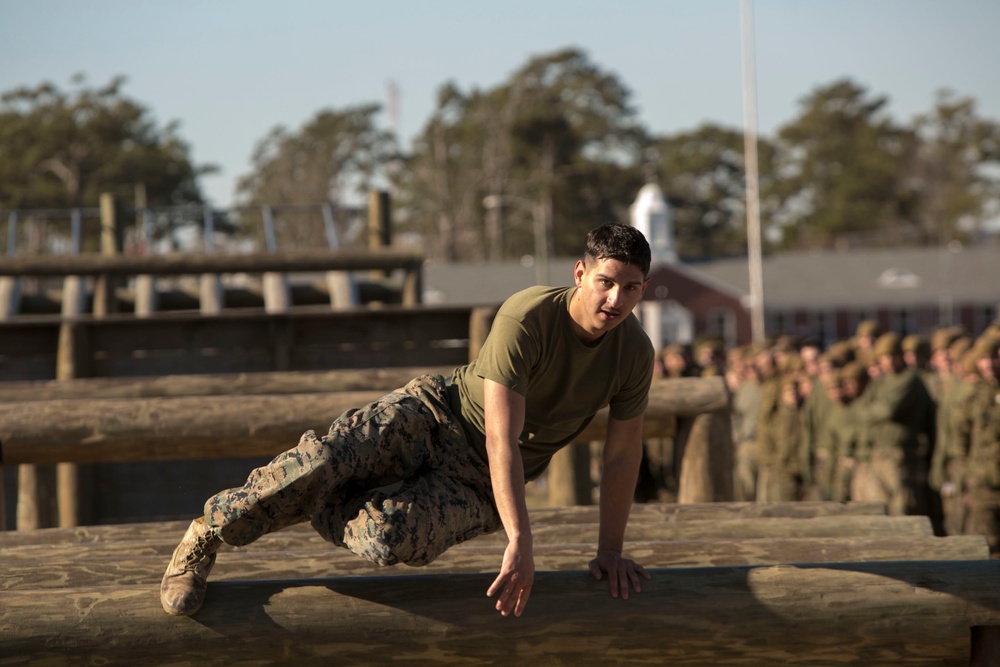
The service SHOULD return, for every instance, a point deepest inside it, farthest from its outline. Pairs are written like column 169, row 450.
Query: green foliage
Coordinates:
column 542, row 157
column 529, row 165
column 334, row 155
column 955, row 172
column 839, row 166
column 705, row 186
column 63, row 149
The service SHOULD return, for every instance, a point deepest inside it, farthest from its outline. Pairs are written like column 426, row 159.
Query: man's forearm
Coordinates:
column 618, row 480
column 504, row 421
column 507, row 476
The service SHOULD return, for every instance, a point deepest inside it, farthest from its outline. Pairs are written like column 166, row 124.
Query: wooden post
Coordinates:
column 104, row 290
column 68, row 475
column 480, row 322
column 379, row 225
column 569, row 478
column 379, row 219
column 413, row 288
column 145, row 284
column 277, row 296
column 10, row 286
column 10, row 297
column 706, row 473
column 212, row 298
column 339, row 284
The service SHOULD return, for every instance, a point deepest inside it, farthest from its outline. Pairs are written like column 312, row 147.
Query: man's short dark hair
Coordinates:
column 620, row 242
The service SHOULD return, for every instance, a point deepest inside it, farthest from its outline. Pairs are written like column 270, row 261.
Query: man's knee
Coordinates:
column 387, row 531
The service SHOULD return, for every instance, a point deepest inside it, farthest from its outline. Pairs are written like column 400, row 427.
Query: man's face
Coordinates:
column 988, row 367
column 608, row 292
column 939, row 360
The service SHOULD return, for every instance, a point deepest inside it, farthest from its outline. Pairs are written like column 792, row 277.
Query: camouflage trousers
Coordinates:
column 395, row 482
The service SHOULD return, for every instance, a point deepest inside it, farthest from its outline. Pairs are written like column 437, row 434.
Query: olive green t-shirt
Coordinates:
column 532, row 350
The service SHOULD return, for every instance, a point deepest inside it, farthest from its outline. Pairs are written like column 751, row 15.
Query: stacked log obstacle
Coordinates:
column 199, row 427
column 89, row 595
column 235, row 415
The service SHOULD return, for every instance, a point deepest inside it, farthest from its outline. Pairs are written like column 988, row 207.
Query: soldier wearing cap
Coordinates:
column 948, row 462
column 677, row 361
column 865, row 335
column 983, row 471
column 897, row 433
column 777, row 452
column 710, row 355
column 815, row 449
column 852, row 380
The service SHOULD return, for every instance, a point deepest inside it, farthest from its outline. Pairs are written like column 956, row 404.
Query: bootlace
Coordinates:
column 202, row 548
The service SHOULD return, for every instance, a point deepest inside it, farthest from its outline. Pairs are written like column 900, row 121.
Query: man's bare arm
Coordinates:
column 621, row 459
column 504, row 415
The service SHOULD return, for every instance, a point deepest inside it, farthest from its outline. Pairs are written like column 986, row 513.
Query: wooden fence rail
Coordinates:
column 303, row 338
column 352, row 259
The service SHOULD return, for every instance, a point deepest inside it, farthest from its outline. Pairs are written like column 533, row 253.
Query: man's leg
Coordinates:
column 414, row 524
column 384, row 442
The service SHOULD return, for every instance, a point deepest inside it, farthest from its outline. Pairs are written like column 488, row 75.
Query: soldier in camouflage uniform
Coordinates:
column 436, row 462
column 983, row 471
column 947, row 466
column 817, row 457
column 778, row 476
column 852, row 380
column 897, row 434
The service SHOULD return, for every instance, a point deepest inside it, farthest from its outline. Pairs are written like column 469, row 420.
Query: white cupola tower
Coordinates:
column 651, row 216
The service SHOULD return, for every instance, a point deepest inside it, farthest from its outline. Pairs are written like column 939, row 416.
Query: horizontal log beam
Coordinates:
column 226, row 384
column 302, row 537
column 169, row 531
column 172, row 264
column 142, row 564
column 175, row 428
column 916, row 613
column 839, row 526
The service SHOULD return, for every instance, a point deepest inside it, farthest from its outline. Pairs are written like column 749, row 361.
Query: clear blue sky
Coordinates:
column 229, row 71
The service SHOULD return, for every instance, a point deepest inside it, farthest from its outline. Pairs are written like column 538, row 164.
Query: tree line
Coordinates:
column 546, row 154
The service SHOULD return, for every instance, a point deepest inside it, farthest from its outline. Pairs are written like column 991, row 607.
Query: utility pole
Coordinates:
column 750, row 163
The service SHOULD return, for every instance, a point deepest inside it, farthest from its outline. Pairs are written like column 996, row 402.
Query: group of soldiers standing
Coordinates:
column 910, row 421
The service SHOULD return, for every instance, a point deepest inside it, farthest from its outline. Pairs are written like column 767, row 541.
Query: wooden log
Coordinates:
column 568, row 476
column 219, row 426
column 91, row 264
column 142, row 563
column 10, row 296
column 231, row 384
column 841, row 526
column 706, row 474
column 71, row 365
column 211, row 294
column 555, row 533
column 277, row 295
column 917, row 613
column 651, row 512
column 145, row 295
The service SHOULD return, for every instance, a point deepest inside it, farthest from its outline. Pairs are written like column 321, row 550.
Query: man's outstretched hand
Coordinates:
column 517, row 575
column 623, row 573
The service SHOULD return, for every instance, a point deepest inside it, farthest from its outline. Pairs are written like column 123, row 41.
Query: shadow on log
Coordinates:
column 75, row 566
column 916, row 613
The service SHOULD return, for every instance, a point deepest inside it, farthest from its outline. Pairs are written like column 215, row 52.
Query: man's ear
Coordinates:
column 578, row 270
column 645, row 284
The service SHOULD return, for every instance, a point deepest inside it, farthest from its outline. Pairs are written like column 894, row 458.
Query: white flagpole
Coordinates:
column 750, row 159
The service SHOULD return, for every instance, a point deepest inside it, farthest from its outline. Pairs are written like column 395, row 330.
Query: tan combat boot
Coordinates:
column 182, row 590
